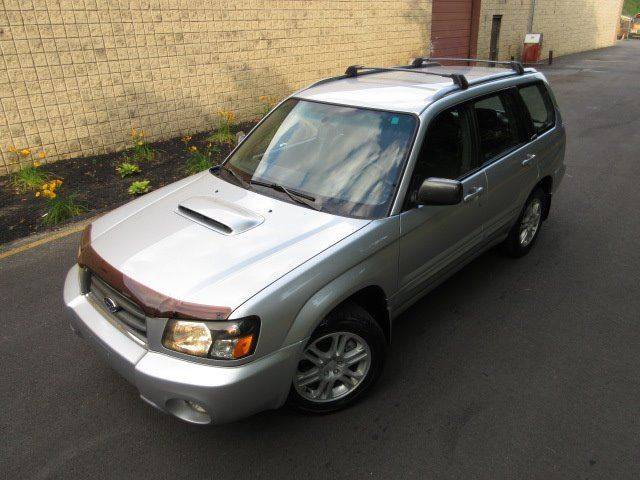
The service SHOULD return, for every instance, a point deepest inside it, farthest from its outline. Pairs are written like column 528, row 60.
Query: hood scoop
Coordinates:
column 218, row 215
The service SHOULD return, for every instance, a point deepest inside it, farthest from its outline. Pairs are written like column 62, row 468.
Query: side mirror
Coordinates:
column 439, row 191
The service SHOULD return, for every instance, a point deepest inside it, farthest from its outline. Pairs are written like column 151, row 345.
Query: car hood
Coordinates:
column 205, row 241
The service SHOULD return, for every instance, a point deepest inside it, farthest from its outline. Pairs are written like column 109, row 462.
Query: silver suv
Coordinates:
column 277, row 275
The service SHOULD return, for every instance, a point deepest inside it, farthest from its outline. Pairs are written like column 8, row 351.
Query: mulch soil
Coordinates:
column 97, row 184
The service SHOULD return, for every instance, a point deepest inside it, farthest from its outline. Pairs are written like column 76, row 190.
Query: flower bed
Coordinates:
column 70, row 190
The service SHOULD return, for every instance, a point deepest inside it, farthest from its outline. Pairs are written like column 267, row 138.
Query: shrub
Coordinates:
column 139, row 187
column 61, row 208
column 197, row 161
column 223, row 134
column 126, row 169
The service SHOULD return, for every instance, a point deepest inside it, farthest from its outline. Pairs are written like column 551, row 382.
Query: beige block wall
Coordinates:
column 568, row 26
column 77, row 75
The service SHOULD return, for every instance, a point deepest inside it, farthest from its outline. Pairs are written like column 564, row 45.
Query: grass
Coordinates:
column 631, row 7
column 61, row 209
column 223, row 134
column 199, row 161
column 28, row 178
column 140, row 150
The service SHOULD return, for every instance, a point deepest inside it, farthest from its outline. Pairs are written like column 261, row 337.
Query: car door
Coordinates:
column 546, row 141
column 434, row 238
column 510, row 167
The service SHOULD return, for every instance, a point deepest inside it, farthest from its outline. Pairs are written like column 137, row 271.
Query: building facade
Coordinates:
column 76, row 76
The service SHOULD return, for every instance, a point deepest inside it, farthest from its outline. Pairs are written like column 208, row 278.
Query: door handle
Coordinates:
column 528, row 159
column 475, row 192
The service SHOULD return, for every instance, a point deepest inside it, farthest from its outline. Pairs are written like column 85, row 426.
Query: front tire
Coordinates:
column 524, row 234
column 340, row 363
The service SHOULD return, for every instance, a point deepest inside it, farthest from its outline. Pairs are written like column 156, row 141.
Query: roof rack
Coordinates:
column 420, row 62
column 458, row 79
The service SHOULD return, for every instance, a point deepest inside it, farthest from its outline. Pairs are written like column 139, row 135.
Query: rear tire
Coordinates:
column 524, row 233
column 341, row 362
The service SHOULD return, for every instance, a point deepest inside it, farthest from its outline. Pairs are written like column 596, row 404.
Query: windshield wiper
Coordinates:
column 299, row 197
column 233, row 174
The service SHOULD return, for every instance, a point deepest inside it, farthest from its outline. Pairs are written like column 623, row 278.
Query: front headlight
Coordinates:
column 228, row 340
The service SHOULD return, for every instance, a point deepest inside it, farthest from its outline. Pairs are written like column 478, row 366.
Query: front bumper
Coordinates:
column 173, row 385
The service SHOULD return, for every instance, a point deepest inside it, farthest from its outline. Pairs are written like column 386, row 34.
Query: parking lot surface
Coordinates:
column 523, row 368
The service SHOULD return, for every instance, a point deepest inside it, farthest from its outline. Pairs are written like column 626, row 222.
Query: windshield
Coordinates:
column 343, row 160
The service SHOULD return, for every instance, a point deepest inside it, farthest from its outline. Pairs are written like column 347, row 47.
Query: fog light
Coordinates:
column 196, row 406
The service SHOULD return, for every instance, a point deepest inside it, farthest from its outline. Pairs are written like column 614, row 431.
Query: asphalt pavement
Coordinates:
column 524, row 368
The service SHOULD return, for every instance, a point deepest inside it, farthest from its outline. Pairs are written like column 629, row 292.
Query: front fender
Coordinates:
column 378, row 269
column 292, row 307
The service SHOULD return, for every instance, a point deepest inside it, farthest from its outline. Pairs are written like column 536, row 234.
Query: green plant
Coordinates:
column 197, row 161
column 266, row 104
column 61, row 208
column 140, row 150
column 139, row 187
column 126, row 169
column 631, row 7
column 29, row 177
column 223, row 134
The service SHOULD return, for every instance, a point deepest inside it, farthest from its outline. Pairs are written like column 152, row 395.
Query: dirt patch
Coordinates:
column 97, row 185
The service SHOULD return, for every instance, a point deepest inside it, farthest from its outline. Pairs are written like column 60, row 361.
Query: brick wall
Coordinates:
column 77, row 75
column 567, row 26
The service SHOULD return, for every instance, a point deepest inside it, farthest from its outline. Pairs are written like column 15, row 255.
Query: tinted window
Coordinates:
column 446, row 152
column 347, row 159
column 497, row 127
column 539, row 108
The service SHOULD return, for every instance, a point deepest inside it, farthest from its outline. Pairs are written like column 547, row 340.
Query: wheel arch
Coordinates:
column 370, row 297
column 546, row 184
column 374, row 301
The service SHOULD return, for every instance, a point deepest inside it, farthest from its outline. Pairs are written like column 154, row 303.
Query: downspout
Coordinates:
column 531, row 16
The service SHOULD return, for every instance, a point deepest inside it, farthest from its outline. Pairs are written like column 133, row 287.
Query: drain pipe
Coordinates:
column 531, row 15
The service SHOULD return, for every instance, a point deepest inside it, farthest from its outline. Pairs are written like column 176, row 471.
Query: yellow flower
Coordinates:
column 42, row 154
column 193, row 148
column 133, row 132
column 262, row 98
column 140, row 143
column 12, row 149
column 37, row 194
column 186, row 138
column 58, row 182
column 36, row 164
column 141, row 134
column 25, row 152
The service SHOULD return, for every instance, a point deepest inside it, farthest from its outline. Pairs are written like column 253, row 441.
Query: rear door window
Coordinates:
column 538, row 104
column 497, row 126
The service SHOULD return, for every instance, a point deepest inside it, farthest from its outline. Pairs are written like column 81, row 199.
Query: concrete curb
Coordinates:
column 37, row 239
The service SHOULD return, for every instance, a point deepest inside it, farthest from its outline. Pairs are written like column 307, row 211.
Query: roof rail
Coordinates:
column 458, row 79
column 515, row 66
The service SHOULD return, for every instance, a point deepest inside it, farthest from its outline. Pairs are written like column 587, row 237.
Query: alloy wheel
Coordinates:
column 332, row 366
column 530, row 222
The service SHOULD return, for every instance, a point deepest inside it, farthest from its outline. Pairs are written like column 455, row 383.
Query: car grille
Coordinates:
column 122, row 312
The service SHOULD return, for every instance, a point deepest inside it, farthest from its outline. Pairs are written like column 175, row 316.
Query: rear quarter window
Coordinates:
column 539, row 107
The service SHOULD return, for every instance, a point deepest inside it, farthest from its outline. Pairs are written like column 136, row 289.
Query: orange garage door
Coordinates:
column 452, row 28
